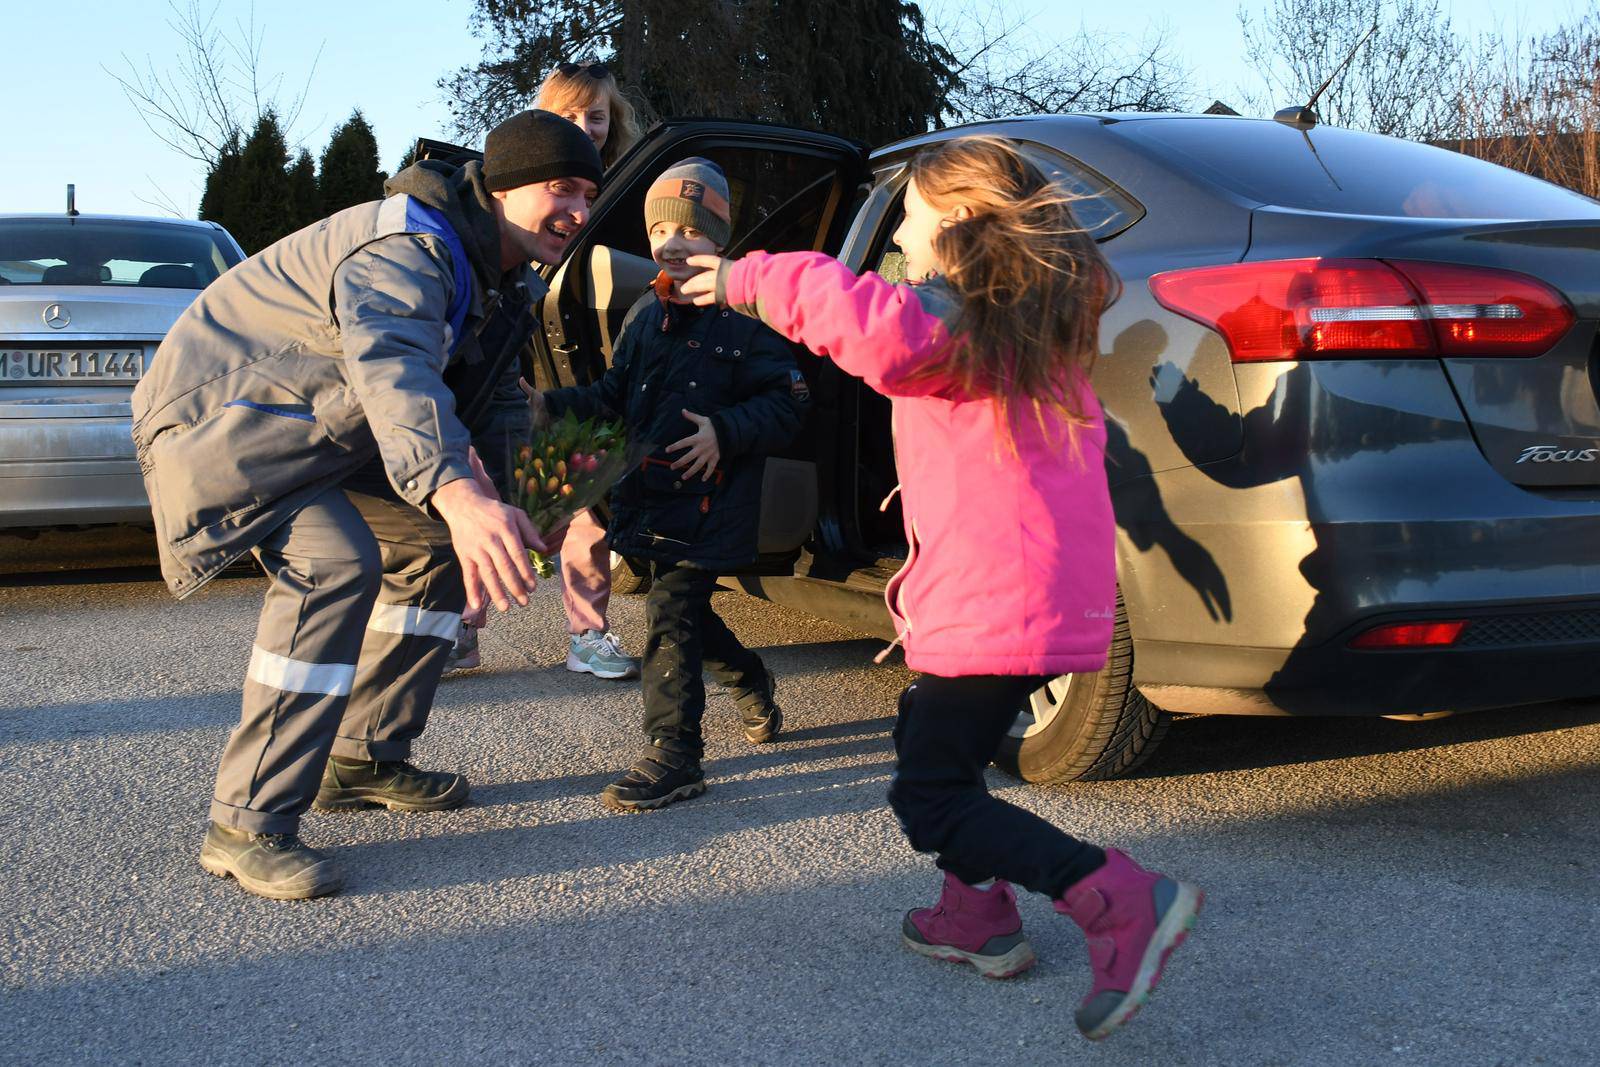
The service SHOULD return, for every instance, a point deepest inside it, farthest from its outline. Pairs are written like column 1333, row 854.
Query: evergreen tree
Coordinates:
column 349, row 173
column 222, row 180
column 304, row 199
column 862, row 68
column 248, row 191
column 409, row 158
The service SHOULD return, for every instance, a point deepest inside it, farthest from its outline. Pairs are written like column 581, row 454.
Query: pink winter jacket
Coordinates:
column 1011, row 568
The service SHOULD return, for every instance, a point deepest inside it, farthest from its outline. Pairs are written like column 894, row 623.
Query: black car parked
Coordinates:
column 1351, row 395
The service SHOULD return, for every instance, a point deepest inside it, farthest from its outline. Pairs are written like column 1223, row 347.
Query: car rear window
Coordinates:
column 1348, row 172
column 110, row 252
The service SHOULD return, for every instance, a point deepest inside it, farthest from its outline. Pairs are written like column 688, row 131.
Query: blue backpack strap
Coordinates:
column 420, row 218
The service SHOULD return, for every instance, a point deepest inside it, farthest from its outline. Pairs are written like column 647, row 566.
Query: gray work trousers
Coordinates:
column 364, row 607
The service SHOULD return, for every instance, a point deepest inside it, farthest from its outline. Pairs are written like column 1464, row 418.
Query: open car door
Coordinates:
column 791, row 190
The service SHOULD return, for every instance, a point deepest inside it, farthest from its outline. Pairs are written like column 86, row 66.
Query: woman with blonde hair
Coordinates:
column 587, row 95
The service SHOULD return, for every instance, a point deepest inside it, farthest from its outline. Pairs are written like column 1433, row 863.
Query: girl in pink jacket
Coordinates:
column 1010, row 578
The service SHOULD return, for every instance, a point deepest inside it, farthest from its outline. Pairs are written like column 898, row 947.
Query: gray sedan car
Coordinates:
column 1352, row 396
column 84, row 301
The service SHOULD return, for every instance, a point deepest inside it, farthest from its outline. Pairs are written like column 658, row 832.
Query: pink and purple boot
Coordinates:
column 1133, row 919
column 976, row 926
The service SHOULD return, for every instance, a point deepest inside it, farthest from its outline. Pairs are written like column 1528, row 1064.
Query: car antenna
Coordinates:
column 72, row 201
column 1303, row 118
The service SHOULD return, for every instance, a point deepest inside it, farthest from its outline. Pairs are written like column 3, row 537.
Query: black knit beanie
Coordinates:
column 536, row 146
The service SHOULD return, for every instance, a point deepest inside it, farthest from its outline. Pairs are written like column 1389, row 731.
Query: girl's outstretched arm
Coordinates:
column 878, row 331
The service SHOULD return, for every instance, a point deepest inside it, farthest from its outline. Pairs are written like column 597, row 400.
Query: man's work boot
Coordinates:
column 977, row 926
column 1133, row 919
column 660, row 776
column 348, row 784
column 276, row 866
column 759, row 712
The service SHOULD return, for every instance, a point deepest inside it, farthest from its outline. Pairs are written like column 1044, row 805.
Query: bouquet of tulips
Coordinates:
column 569, row 465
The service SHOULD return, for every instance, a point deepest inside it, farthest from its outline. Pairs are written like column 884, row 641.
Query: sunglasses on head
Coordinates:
column 597, row 71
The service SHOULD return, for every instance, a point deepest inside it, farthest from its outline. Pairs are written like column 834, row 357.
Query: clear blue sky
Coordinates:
column 65, row 120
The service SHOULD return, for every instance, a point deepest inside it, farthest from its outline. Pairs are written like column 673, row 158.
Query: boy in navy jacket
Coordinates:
column 711, row 394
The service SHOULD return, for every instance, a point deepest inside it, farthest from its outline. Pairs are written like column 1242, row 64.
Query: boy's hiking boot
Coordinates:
column 657, row 778
column 276, row 866
column 599, row 654
column 464, row 656
column 1133, row 919
column 760, row 713
column 976, row 926
column 348, row 784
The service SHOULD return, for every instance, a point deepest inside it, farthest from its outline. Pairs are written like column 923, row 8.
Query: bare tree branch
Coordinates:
column 162, row 202
column 215, row 89
column 1401, row 81
column 1534, row 105
column 1089, row 71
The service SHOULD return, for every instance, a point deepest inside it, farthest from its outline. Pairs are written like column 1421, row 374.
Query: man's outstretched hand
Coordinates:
column 491, row 540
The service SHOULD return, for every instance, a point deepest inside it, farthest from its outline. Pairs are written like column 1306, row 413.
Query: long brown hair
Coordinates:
column 579, row 89
column 1031, row 282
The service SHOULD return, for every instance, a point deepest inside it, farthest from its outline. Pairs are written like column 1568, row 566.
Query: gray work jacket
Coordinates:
column 301, row 364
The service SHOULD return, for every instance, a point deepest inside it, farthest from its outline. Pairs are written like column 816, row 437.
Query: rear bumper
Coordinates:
column 1509, row 654
column 72, row 493
column 62, row 471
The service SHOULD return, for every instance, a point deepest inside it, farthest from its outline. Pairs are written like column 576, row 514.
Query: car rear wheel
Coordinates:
column 627, row 578
column 1086, row 727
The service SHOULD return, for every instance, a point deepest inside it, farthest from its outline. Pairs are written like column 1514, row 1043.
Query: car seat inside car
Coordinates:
column 171, row 276
column 75, row 274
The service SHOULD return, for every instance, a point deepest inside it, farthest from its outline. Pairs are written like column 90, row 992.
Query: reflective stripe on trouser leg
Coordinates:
column 409, row 632
column 324, row 566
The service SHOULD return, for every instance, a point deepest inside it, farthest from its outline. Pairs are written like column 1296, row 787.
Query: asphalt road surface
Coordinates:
column 1379, row 892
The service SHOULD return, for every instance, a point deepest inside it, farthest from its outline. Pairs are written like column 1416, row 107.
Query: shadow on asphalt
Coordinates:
column 160, row 715
column 729, row 808
column 871, row 736
column 1207, row 744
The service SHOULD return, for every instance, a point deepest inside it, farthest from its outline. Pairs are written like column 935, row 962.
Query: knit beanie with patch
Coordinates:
column 537, row 146
column 692, row 193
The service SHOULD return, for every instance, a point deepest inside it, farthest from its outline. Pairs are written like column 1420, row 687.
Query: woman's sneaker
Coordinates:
column 976, row 926
column 657, row 778
column 1133, row 919
column 276, row 866
column 599, row 654
column 464, row 656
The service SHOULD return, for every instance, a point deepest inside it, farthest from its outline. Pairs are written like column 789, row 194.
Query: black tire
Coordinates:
column 628, row 578
column 1101, row 728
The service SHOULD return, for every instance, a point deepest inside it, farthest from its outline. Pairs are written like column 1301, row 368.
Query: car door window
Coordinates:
column 1100, row 207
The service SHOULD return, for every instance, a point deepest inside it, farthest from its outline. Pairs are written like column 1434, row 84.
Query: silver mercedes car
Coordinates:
column 84, row 301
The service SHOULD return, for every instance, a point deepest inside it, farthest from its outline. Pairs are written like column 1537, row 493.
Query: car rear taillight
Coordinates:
column 1398, row 635
column 1476, row 311
column 1293, row 309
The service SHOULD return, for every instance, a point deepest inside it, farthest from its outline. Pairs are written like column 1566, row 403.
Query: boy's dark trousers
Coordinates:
column 948, row 731
column 685, row 637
